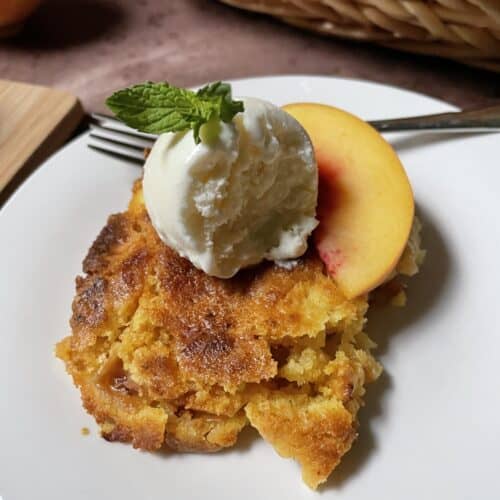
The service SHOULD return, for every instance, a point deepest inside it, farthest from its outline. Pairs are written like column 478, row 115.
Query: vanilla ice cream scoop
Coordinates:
column 246, row 193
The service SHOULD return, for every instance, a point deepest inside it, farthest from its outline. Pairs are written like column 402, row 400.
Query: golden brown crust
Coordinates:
column 199, row 432
column 316, row 431
column 164, row 354
column 113, row 234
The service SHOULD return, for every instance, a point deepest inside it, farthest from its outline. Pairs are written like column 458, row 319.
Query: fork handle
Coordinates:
column 476, row 120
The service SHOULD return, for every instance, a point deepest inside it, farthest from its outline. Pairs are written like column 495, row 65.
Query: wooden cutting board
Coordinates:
column 34, row 122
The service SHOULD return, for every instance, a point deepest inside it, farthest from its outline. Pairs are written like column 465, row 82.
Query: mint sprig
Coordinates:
column 159, row 107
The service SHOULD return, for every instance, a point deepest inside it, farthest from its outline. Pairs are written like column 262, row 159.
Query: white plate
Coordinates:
column 430, row 427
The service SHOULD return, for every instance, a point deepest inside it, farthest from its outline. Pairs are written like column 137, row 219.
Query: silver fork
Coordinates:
column 112, row 136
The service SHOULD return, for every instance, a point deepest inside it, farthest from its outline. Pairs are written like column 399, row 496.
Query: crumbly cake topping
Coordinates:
column 165, row 355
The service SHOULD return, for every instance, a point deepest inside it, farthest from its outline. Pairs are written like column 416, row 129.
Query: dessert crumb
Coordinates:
column 85, row 431
column 399, row 300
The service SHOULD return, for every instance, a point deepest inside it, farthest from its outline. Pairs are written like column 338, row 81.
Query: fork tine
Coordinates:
column 111, row 123
column 115, row 149
column 103, row 117
column 119, row 137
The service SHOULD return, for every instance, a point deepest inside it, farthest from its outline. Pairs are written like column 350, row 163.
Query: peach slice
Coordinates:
column 365, row 204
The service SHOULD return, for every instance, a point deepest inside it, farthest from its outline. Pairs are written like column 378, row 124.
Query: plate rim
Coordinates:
column 79, row 137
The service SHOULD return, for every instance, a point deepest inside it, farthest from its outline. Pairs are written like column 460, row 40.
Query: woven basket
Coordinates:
column 464, row 30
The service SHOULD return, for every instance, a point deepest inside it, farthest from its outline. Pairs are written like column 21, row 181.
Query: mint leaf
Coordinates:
column 156, row 108
column 228, row 107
